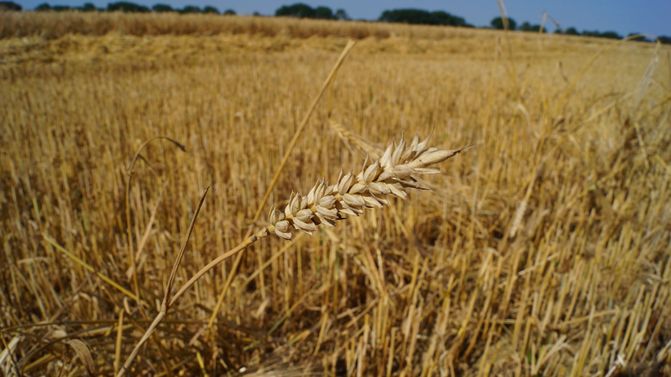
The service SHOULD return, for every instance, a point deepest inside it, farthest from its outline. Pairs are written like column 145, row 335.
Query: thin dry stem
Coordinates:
column 278, row 171
column 129, row 234
column 166, row 303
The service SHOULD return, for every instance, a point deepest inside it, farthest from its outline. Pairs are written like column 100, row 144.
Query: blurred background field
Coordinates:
column 543, row 250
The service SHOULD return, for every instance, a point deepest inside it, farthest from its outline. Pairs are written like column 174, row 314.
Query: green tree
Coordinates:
column 571, row 31
column 406, row 16
column 162, row 8
column 44, row 7
column 229, row 12
column 324, row 13
column 664, row 39
column 88, row 7
column 497, row 23
column 610, row 35
column 188, row 9
column 420, row 16
column 300, row 10
column 210, row 9
column 598, row 34
column 10, row 6
column 127, row 7
column 530, row 27
column 341, row 14
column 443, row 18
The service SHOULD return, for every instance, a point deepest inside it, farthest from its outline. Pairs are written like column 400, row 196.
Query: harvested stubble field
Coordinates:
column 542, row 250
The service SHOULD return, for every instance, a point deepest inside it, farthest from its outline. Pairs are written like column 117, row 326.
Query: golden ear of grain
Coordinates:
column 392, row 174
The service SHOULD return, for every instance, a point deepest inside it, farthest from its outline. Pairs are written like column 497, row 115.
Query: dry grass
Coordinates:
column 542, row 251
column 50, row 25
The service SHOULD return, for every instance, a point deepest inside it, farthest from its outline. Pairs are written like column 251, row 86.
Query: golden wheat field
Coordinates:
column 542, row 249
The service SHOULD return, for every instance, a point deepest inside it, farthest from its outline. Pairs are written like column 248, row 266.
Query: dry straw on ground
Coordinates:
column 544, row 250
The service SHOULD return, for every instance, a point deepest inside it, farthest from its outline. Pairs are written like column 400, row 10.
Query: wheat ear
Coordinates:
column 389, row 176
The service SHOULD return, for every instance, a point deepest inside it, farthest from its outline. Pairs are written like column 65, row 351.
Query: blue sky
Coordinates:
column 651, row 17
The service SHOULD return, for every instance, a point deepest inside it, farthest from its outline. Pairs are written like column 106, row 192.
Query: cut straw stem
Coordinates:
column 90, row 268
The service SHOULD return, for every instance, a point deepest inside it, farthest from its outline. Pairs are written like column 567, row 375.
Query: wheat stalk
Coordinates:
column 389, row 176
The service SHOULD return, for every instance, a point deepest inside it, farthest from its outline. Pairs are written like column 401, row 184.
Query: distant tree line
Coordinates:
column 10, row 6
column 302, row 10
column 130, row 7
column 498, row 23
column 423, row 17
